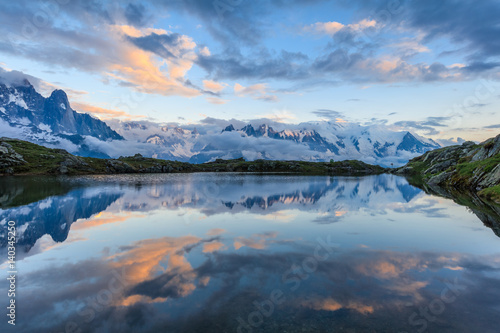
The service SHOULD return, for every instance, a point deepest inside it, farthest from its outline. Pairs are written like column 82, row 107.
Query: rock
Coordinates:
column 73, row 161
column 138, row 157
column 468, row 144
column 405, row 170
column 167, row 169
column 9, row 157
column 489, row 148
column 115, row 166
column 439, row 179
column 437, row 168
column 491, row 179
column 63, row 170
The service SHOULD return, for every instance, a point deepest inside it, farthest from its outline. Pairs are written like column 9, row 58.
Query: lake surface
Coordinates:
column 247, row 253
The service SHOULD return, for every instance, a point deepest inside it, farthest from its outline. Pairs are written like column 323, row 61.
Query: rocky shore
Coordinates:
column 469, row 167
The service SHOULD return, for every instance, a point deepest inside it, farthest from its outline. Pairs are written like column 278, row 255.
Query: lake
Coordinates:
column 247, row 253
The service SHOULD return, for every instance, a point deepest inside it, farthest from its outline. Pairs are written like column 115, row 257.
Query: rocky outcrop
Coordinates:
column 467, row 167
column 9, row 157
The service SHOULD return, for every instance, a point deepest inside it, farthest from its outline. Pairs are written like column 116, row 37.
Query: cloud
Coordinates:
column 328, row 114
column 450, row 141
column 18, row 78
column 338, row 286
column 216, row 100
column 103, row 113
column 136, row 14
column 416, row 125
column 102, row 46
column 215, row 87
column 212, row 247
column 119, row 44
column 257, row 242
column 256, row 91
column 329, row 304
column 428, row 125
column 331, row 28
column 280, row 116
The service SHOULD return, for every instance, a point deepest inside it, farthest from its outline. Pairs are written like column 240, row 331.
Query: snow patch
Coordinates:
column 16, row 99
column 45, row 127
column 45, row 204
column 22, row 121
column 20, row 230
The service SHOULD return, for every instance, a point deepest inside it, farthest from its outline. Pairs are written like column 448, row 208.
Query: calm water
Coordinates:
column 247, row 253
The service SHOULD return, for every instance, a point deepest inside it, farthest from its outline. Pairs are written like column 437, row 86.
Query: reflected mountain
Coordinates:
column 218, row 194
column 330, row 198
column 54, row 215
column 333, row 197
column 20, row 191
column 487, row 212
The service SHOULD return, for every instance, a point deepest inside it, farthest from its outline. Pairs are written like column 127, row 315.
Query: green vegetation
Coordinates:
column 468, row 169
column 491, row 193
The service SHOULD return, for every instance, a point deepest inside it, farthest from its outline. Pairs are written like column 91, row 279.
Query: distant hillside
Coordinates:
column 468, row 167
column 22, row 157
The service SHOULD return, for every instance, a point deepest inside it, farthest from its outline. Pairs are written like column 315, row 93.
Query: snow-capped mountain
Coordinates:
column 311, row 141
column 163, row 141
column 51, row 121
column 25, row 114
column 317, row 141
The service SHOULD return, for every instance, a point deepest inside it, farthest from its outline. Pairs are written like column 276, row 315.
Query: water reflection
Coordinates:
column 54, row 215
column 239, row 253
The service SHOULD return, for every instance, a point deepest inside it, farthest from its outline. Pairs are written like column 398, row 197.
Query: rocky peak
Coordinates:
column 60, row 99
column 229, row 128
column 489, row 148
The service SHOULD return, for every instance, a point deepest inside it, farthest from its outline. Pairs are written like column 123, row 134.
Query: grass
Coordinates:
column 491, row 193
column 41, row 158
column 469, row 168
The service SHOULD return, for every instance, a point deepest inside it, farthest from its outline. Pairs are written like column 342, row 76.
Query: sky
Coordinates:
column 432, row 67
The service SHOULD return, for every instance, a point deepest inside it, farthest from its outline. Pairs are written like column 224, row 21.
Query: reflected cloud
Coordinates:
column 215, row 232
column 103, row 218
column 349, row 287
column 212, row 247
column 258, row 241
column 332, row 305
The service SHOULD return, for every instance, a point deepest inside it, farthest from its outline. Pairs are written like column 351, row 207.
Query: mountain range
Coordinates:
column 50, row 121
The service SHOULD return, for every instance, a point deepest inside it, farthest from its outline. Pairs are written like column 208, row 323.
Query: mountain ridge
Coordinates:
column 27, row 115
column 54, row 113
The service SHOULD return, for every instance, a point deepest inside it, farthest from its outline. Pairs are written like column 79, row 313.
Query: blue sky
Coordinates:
column 427, row 66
